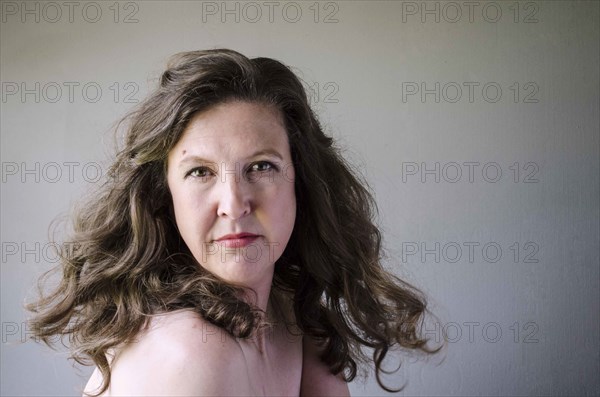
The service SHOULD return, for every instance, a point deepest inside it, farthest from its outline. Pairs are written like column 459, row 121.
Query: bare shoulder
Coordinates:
column 317, row 380
column 180, row 354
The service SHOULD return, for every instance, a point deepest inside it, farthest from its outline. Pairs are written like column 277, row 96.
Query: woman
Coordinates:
column 231, row 251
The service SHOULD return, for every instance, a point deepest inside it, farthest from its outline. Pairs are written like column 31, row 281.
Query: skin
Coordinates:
column 220, row 185
column 230, row 172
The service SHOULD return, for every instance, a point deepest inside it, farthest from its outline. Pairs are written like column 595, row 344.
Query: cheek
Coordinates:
column 190, row 216
column 286, row 220
column 284, row 214
column 179, row 204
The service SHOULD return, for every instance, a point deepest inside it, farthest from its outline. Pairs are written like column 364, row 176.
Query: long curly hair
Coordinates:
column 126, row 260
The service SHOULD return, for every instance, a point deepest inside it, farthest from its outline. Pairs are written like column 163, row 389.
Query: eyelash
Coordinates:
column 272, row 167
column 193, row 170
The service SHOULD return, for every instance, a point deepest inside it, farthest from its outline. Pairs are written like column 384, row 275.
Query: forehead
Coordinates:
column 233, row 128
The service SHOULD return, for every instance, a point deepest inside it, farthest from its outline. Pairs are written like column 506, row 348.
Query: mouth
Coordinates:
column 237, row 240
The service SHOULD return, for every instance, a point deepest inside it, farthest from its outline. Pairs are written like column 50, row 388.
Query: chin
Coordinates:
column 242, row 272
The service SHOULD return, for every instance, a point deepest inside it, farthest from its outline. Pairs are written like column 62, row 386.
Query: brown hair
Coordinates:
column 127, row 260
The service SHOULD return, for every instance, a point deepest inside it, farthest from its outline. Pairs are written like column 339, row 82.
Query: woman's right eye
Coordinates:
column 199, row 172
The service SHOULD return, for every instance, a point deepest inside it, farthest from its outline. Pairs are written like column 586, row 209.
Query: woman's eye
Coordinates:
column 199, row 172
column 261, row 166
column 259, row 170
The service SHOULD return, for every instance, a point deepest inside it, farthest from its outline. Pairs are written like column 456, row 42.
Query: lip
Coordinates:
column 237, row 240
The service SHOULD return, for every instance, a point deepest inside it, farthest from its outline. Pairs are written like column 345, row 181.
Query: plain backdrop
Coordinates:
column 475, row 123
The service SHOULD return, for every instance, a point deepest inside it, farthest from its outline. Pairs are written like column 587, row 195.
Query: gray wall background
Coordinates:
column 488, row 198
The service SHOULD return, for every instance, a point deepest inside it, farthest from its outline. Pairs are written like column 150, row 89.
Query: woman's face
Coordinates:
column 232, row 183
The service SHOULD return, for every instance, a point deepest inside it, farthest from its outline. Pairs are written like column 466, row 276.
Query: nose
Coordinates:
column 234, row 196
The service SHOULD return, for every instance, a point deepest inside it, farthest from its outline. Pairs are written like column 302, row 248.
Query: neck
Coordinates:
column 261, row 299
column 258, row 295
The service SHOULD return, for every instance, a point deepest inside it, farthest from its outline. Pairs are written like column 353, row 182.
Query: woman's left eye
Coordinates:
column 262, row 166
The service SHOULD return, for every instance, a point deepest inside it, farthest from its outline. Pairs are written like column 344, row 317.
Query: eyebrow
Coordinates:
column 198, row 159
